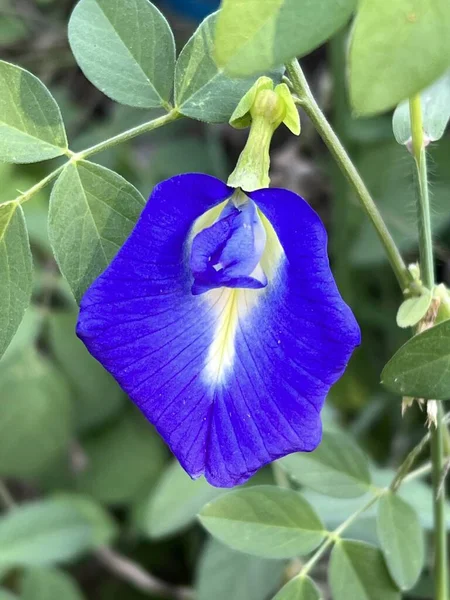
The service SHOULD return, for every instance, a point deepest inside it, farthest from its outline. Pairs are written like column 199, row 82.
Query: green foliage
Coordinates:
column 394, row 196
column 49, row 584
column 122, row 460
column 414, row 309
column 31, row 127
column 16, row 272
column 436, row 112
column 97, row 397
column 421, row 368
column 126, row 49
column 202, row 89
column 398, row 48
column 52, row 531
column 256, row 35
column 357, row 570
column 175, row 502
column 264, row 521
column 299, row 588
column 224, row 574
column 402, row 540
column 336, row 468
column 32, row 392
column 87, row 232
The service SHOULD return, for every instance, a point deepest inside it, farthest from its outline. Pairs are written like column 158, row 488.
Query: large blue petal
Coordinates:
column 234, row 378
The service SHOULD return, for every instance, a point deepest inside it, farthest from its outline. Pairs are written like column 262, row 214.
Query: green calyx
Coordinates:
column 443, row 294
column 263, row 108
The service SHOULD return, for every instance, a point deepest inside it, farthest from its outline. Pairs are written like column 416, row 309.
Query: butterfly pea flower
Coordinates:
column 220, row 316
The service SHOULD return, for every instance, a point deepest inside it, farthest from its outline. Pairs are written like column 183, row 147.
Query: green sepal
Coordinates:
column 444, row 308
column 241, row 118
column 292, row 118
column 413, row 310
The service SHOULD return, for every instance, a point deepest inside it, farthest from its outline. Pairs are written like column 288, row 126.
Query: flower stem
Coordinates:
column 427, row 273
column 312, row 109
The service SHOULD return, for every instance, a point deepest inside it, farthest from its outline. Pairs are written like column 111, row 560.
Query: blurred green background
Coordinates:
column 65, row 426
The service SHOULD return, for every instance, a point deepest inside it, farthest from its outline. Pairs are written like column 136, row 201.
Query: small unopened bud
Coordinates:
column 407, row 402
column 270, row 106
column 432, row 410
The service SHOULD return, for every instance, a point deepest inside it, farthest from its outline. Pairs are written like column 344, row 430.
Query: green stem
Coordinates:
column 110, row 143
column 427, row 273
column 312, row 109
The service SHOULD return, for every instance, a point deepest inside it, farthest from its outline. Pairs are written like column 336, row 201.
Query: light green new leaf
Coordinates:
column 126, row 49
column 49, row 584
column 16, row 268
column 202, row 89
column 336, row 468
column 264, row 521
column 435, row 109
column 398, row 48
column 52, row 531
column 402, row 540
column 122, row 460
column 97, row 396
column 357, row 571
column 299, row 588
column 176, row 501
column 35, row 414
column 256, row 35
column 421, row 368
column 413, row 310
column 224, row 574
column 31, row 127
column 92, row 212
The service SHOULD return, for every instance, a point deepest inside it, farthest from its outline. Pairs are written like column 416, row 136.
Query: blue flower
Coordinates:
column 221, row 319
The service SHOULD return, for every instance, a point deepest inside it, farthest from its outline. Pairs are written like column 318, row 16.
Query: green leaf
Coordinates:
column 126, row 49
column 35, row 414
column 299, row 588
column 255, row 35
column 87, row 232
column 264, row 521
column 122, row 460
column 49, row 584
column 392, row 194
column 202, row 89
column 397, row 49
column 357, row 571
column 97, row 396
column 52, row 531
column 337, row 468
column 31, row 127
column 16, row 267
column 421, row 368
column 402, row 540
column 227, row 575
column 413, row 310
column 435, row 109
column 176, row 501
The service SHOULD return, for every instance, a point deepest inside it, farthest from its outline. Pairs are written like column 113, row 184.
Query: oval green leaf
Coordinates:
column 126, row 49
column 402, row 540
column 203, row 90
column 299, row 588
column 97, row 396
column 224, row 574
column 256, row 35
column 16, row 267
column 357, row 570
column 435, row 109
column 32, row 392
column 421, row 368
column 49, row 584
column 175, row 502
column 336, row 468
column 413, row 310
column 264, row 521
column 31, row 126
column 87, row 232
column 52, row 531
column 397, row 49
